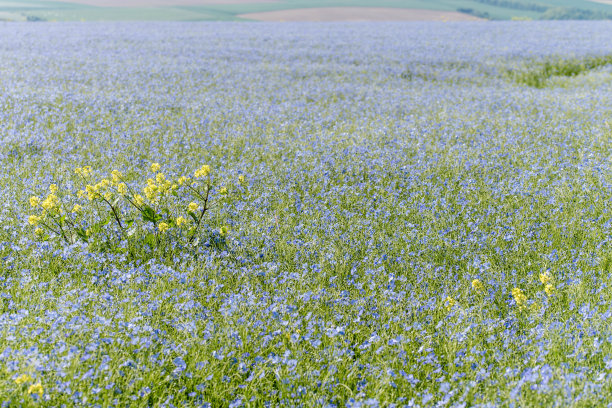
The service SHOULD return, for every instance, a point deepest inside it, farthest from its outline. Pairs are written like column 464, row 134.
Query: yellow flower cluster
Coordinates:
column 202, row 171
column 450, row 303
column 22, row 379
column 83, row 171
column 150, row 202
column 122, row 188
column 547, row 281
column 36, row 389
column 158, row 187
column 34, row 219
column 51, row 202
column 478, row 286
column 116, row 176
column 99, row 189
column 34, row 201
column 519, row 297
column 138, row 200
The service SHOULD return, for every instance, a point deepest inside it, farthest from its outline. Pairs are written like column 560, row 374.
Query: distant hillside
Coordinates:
column 245, row 10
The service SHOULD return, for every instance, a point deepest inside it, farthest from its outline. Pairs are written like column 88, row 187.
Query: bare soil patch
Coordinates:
column 359, row 14
column 162, row 3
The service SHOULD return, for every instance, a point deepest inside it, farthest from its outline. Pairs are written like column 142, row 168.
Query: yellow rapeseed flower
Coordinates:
column 519, row 297
column 180, row 221
column 155, row 167
column 33, row 219
column 223, row 190
column 193, row 207
column 39, row 231
column 122, row 188
column 22, row 379
column 163, row 227
column 53, row 188
column 160, row 178
column 478, row 286
column 241, row 179
column 116, row 176
column 450, row 303
column 545, row 278
column 50, row 202
column 202, row 171
column 138, row 200
column 34, row 201
column 36, row 389
column 77, row 208
column 182, row 180
column 549, row 289
column 223, row 230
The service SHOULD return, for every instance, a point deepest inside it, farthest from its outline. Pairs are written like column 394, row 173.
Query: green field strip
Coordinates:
column 125, row 14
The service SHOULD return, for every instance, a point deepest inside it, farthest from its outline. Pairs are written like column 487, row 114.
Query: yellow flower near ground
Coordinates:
column 116, row 176
column 519, row 297
column 241, row 179
column 160, row 178
column 202, row 171
column 39, row 231
column 180, row 221
column 224, row 230
column 545, row 278
column 182, row 180
column 223, row 190
column 22, row 379
column 33, row 219
column 193, row 207
column 478, row 286
column 155, row 167
column 138, row 200
column 77, row 208
column 50, row 202
column 34, row 201
column 122, row 188
column 36, row 389
column 549, row 289
column 450, row 303
column 163, row 227
column 53, row 188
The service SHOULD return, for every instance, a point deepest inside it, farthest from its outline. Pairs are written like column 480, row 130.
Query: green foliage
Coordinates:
column 571, row 13
column 536, row 74
column 516, row 5
column 475, row 13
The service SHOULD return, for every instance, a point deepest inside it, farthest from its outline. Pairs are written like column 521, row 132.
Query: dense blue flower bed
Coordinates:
column 387, row 166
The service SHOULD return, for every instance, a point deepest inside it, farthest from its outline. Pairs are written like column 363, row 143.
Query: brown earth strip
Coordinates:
column 359, row 14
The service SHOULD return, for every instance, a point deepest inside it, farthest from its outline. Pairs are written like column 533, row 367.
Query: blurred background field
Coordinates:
column 299, row 10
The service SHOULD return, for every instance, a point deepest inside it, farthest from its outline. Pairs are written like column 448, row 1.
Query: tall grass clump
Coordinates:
column 537, row 74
